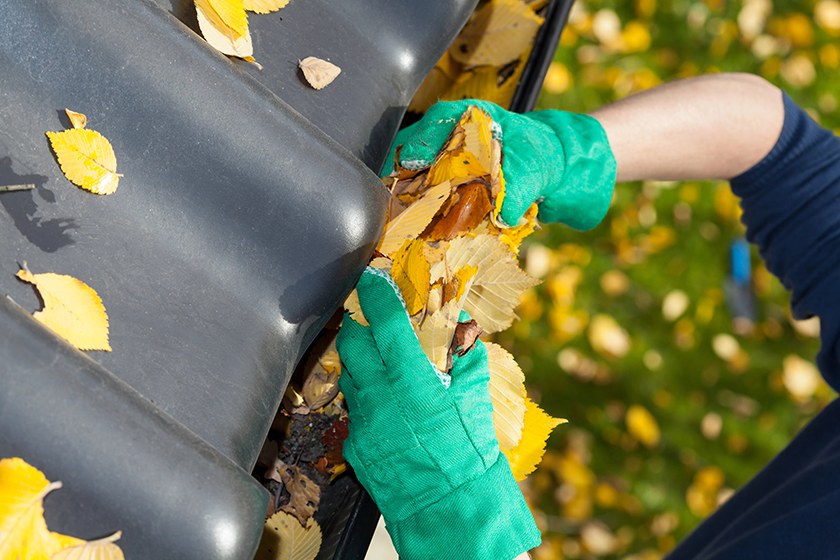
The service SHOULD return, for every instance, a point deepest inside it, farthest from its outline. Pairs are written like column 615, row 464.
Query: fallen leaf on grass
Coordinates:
column 71, row 308
column 319, row 73
column 86, row 159
column 284, row 538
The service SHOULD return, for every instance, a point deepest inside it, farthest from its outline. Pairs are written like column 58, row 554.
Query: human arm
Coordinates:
column 715, row 126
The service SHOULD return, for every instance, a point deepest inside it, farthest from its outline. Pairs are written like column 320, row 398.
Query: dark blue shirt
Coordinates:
column 791, row 203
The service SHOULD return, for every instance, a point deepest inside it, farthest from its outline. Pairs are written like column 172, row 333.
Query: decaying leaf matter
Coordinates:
column 86, row 159
column 71, row 308
column 306, row 495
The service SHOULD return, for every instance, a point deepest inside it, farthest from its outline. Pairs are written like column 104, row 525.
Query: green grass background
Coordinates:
column 601, row 492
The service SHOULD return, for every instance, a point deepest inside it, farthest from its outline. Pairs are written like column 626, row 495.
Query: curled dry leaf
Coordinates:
column 78, row 120
column 354, row 308
column 221, row 23
column 293, row 402
column 284, row 538
column 86, row 159
column 319, row 73
column 264, row 6
column 102, row 549
column 306, row 495
column 320, row 388
column 463, row 340
column 71, row 308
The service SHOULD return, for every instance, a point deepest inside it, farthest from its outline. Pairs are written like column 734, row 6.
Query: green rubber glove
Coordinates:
column 427, row 454
column 561, row 160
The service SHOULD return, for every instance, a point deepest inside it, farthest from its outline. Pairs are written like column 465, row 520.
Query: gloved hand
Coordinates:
column 427, row 454
column 561, row 160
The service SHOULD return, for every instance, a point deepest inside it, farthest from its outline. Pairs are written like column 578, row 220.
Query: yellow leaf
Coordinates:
column 285, row 538
column 478, row 135
column 456, row 164
column 525, row 457
column 411, row 273
column 497, row 33
column 319, row 73
column 498, row 283
column 78, row 120
column 71, row 308
column 488, row 83
column 435, row 333
column 102, row 549
column 264, row 6
column 642, row 425
column 23, row 531
column 86, row 159
column 507, row 392
column 413, row 220
column 232, row 13
column 513, row 236
column 218, row 33
column 462, row 279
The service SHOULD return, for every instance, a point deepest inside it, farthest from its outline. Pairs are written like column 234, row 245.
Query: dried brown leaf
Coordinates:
column 319, row 73
column 306, row 495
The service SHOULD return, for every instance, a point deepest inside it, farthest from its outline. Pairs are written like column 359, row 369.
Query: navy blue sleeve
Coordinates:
column 791, row 204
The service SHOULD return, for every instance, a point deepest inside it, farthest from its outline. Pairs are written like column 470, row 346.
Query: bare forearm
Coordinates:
column 710, row 127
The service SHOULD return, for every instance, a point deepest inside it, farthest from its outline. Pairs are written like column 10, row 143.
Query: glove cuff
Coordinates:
column 582, row 196
column 484, row 519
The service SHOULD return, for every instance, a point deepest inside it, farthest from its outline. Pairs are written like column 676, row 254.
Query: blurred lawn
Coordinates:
column 672, row 402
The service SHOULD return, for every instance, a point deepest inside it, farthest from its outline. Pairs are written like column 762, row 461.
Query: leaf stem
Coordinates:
column 22, row 187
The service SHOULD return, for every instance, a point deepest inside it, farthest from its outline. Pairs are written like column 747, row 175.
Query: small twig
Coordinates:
column 12, row 188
